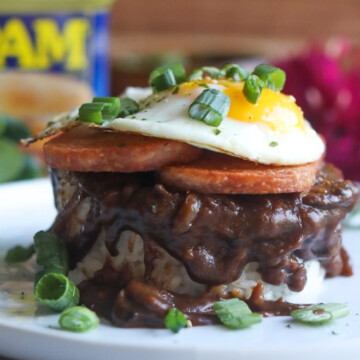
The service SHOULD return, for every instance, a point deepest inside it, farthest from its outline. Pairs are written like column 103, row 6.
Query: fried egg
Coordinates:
column 272, row 131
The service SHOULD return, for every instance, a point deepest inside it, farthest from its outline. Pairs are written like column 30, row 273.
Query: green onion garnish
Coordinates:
column 51, row 253
column 211, row 106
column 198, row 74
column 165, row 77
column 111, row 107
column 253, row 88
column 273, row 78
column 320, row 314
column 235, row 72
column 48, row 270
column 164, row 81
column 78, row 319
column 19, row 254
column 175, row 320
column 274, row 144
column 57, row 292
column 128, row 107
column 235, row 314
column 101, row 109
column 91, row 112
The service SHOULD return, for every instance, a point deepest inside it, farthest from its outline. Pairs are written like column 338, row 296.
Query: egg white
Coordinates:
column 168, row 118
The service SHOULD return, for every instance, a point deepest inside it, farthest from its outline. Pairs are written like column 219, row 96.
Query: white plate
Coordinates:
column 29, row 332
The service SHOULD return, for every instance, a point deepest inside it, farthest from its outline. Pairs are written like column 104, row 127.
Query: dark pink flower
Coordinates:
column 325, row 81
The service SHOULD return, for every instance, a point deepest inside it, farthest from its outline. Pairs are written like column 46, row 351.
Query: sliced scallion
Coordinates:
column 211, row 106
column 165, row 77
column 91, row 112
column 252, row 88
column 320, row 314
column 128, row 107
column 19, row 254
column 235, row 314
column 164, row 81
column 198, row 74
column 51, row 253
column 57, row 292
column 175, row 320
column 273, row 77
column 111, row 107
column 78, row 319
column 235, row 72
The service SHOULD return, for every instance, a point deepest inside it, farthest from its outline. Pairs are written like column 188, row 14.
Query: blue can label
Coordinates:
column 75, row 44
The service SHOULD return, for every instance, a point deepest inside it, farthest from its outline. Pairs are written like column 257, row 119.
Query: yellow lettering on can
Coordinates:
column 16, row 42
column 56, row 47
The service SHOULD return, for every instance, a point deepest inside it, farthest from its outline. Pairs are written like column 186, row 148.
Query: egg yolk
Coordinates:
column 277, row 110
column 273, row 108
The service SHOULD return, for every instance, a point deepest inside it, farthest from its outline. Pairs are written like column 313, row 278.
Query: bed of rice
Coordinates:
column 169, row 273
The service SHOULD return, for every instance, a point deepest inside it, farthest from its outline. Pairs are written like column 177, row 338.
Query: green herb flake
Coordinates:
column 204, row 85
column 143, row 119
column 176, row 90
column 175, row 320
column 122, row 145
column 154, row 209
column 274, row 144
column 216, row 131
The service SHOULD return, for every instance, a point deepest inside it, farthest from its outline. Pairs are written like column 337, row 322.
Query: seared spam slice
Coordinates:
column 96, row 150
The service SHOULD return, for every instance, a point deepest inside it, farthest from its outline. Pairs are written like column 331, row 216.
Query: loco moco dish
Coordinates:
column 198, row 190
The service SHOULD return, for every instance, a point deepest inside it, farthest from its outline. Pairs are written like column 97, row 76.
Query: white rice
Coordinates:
column 169, row 273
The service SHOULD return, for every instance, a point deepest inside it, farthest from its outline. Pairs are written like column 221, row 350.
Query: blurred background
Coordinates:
column 56, row 55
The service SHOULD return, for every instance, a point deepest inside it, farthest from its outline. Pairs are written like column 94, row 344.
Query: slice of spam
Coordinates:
column 94, row 150
column 216, row 173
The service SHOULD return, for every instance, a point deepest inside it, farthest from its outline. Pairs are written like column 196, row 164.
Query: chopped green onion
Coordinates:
column 273, row 78
column 57, row 292
column 51, row 252
column 235, row 314
column 253, row 88
column 48, row 270
column 91, row 112
column 320, row 314
column 164, row 81
column 274, row 144
column 217, row 131
column 19, row 254
column 78, row 319
column 101, row 109
column 128, row 107
column 211, row 106
column 198, row 74
column 175, row 320
column 165, row 77
column 206, row 86
column 235, row 72
column 111, row 107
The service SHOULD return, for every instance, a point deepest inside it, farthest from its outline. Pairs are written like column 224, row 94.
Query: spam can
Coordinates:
column 53, row 56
